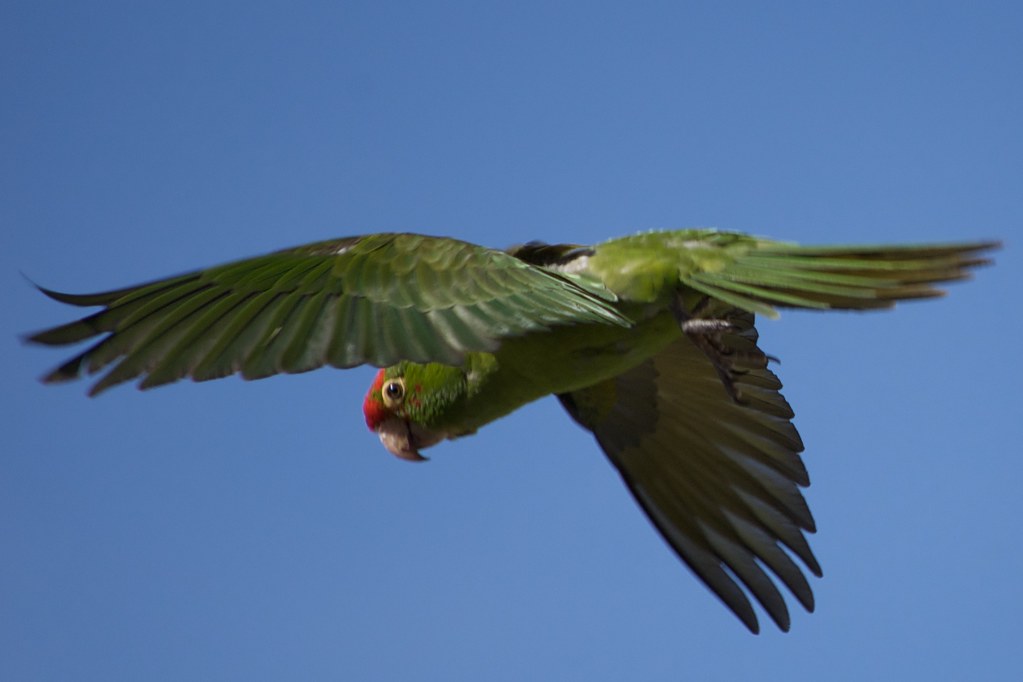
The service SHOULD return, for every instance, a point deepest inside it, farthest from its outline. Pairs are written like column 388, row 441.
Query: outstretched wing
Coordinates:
column 758, row 275
column 376, row 299
column 720, row 480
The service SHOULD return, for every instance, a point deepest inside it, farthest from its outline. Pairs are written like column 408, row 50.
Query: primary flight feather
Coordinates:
column 648, row 341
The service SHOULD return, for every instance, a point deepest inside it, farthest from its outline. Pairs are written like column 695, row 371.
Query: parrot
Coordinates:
column 648, row 341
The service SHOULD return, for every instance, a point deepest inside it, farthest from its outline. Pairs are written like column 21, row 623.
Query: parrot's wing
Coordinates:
column 720, row 479
column 377, row 299
column 759, row 275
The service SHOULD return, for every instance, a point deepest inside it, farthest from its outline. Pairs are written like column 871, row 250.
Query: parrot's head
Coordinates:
column 407, row 402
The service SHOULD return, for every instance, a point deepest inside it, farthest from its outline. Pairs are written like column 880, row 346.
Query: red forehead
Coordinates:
column 373, row 406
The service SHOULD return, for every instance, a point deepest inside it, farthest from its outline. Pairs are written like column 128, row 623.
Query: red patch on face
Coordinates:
column 414, row 398
column 373, row 406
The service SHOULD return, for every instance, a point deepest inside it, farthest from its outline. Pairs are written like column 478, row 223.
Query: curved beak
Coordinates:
column 398, row 437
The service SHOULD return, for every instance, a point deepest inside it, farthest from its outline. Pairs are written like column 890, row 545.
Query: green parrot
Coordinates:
column 648, row 341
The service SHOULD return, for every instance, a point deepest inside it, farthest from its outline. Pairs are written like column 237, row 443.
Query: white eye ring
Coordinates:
column 393, row 392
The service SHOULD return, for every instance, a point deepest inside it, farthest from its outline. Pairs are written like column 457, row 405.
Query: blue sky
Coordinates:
column 259, row 531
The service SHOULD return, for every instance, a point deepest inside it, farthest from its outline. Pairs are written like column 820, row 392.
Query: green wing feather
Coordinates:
column 376, row 299
column 719, row 479
column 840, row 277
column 758, row 275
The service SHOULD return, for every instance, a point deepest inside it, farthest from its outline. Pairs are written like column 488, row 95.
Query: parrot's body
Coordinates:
column 648, row 341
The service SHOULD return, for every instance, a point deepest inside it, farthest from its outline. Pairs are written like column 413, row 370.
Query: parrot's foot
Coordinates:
column 716, row 338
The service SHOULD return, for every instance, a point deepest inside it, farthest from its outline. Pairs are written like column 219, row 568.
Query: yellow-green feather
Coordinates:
column 759, row 275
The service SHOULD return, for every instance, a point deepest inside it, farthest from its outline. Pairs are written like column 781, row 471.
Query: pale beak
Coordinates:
column 397, row 436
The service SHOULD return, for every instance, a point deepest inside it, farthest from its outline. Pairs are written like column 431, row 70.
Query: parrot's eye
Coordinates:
column 393, row 392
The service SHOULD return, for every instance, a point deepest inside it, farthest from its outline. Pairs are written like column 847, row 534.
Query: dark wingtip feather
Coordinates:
column 109, row 380
column 69, row 371
column 85, row 300
column 65, row 334
column 988, row 245
column 72, row 369
column 78, row 330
